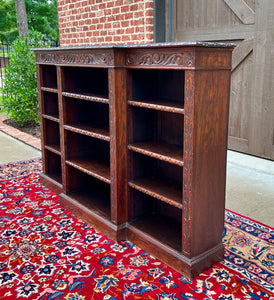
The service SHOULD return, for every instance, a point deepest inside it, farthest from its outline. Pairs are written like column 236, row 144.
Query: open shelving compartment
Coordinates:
column 89, row 192
column 50, row 103
column 156, row 137
column 53, row 169
column 88, row 154
column 86, row 129
column 86, row 83
column 87, row 117
column 49, row 77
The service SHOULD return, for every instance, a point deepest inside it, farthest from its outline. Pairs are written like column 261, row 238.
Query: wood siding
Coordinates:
column 248, row 23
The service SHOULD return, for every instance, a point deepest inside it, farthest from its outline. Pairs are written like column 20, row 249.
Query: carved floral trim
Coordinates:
column 172, row 59
column 74, row 58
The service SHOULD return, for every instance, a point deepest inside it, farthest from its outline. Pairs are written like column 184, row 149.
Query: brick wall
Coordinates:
column 85, row 22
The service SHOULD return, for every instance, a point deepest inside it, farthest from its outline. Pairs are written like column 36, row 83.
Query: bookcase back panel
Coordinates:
column 157, row 126
column 49, row 76
column 86, row 80
column 52, row 133
column 81, row 146
column 158, row 85
column 84, row 112
column 50, row 101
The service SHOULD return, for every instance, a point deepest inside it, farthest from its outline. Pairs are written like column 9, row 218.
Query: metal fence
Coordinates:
column 4, row 59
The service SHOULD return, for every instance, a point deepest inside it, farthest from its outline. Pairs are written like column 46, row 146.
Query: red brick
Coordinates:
column 107, row 25
column 117, row 38
column 116, row 10
column 116, row 25
column 108, row 38
column 100, row 39
column 118, row 3
column 119, row 32
column 88, row 21
column 95, row 21
column 99, row 26
column 102, row 6
column 125, row 38
column 125, row 23
column 110, row 4
column 130, row 30
column 133, row 7
column 149, row 20
column 103, row 32
column 124, row 8
column 149, row 13
column 129, row 15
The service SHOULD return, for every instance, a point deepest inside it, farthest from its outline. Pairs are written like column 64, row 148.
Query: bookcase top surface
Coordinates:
column 142, row 46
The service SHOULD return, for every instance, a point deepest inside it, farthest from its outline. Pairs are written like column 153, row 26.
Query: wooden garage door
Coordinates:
column 248, row 23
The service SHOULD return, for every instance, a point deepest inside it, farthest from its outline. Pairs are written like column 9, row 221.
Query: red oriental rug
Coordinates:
column 47, row 253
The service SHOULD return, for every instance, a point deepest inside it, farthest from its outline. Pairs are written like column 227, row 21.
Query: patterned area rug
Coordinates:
column 47, row 253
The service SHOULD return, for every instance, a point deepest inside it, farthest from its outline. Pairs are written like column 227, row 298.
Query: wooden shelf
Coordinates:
column 166, row 191
column 86, row 96
column 56, row 177
column 160, row 228
column 162, row 151
column 92, row 167
column 173, row 107
column 93, row 200
column 53, row 148
column 51, row 117
column 99, row 133
column 49, row 89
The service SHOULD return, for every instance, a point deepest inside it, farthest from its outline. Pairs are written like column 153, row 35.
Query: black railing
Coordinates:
column 4, row 61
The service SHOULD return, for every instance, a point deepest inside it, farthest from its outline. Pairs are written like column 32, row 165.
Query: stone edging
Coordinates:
column 19, row 135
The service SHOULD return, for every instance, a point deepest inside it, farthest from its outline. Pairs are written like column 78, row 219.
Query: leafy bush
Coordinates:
column 20, row 100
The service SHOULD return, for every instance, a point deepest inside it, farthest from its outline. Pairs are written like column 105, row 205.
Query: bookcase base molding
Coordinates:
column 134, row 141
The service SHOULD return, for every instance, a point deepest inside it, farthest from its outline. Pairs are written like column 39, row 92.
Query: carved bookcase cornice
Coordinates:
column 183, row 59
column 99, row 59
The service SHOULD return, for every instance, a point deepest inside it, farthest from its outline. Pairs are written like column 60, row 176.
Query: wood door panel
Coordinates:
column 248, row 23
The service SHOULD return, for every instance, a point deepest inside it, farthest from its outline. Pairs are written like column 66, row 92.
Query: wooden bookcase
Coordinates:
column 134, row 140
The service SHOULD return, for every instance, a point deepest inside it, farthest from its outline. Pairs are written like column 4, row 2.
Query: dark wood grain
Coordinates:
column 92, row 167
column 166, row 191
column 54, row 148
column 47, row 89
column 165, row 230
column 52, row 118
column 99, row 133
column 159, row 105
column 87, row 97
column 162, row 151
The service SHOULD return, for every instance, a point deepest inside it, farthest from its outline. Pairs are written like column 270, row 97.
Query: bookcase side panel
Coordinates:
column 118, row 144
column 209, row 159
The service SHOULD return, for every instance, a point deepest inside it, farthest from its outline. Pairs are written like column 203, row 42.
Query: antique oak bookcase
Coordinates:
column 134, row 141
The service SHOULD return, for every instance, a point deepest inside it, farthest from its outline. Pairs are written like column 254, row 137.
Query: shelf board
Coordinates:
column 49, row 89
column 92, row 167
column 164, row 190
column 166, row 152
column 86, row 96
column 99, row 133
column 51, row 117
column 167, row 106
column 159, row 228
column 95, row 201
column 55, row 177
column 53, row 148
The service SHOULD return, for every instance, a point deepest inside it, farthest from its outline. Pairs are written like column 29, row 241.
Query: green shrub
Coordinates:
column 20, row 100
